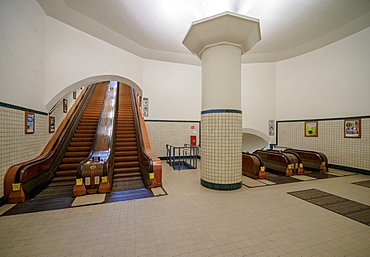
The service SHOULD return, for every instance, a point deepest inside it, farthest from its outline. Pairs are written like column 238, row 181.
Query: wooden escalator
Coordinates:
column 78, row 149
column 127, row 175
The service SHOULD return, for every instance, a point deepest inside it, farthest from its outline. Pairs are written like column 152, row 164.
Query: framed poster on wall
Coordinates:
column 51, row 124
column 352, row 128
column 310, row 129
column 29, row 123
column 65, row 105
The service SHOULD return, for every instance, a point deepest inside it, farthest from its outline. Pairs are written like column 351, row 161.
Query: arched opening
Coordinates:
column 253, row 140
column 91, row 80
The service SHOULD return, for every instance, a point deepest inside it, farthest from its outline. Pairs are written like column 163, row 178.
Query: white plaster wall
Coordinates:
column 174, row 90
column 73, row 56
column 258, row 96
column 251, row 143
column 333, row 81
column 22, row 53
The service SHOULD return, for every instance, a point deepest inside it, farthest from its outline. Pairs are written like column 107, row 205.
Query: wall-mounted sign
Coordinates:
column 352, row 128
column 271, row 128
column 311, row 129
column 145, row 107
column 74, row 94
column 51, row 124
column 29, row 124
column 65, row 105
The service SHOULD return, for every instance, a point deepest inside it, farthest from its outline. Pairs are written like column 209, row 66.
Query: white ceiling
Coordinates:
column 155, row 29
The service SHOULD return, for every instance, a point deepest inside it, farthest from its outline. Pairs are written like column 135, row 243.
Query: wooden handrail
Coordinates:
column 18, row 173
column 99, row 162
column 155, row 164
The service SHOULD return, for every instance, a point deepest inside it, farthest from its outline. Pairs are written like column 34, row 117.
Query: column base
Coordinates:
column 221, row 187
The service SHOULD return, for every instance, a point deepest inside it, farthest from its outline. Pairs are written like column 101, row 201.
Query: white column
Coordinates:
column 221, row 77
column 220, row 42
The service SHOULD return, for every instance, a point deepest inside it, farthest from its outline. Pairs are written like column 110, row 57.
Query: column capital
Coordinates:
column 226, row 28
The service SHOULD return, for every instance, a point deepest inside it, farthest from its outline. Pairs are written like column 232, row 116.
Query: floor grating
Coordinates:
column 348, row 208
column 363, row 183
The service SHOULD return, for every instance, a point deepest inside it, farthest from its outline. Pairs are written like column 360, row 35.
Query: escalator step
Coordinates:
column 73, row 159
column 126, row 158
column 126, row 131
column 80, row 143
column 83, row 139
column 125, row 153
column 63, row 179
column 84, row 135
column 67, row 173
column 75, row 154
column 69, row 166
column 125, row 139
column 126, row 135
column 78, row 149
column 126, row 164
column 64, row 183
column 85, row 131
column 125, row 144
column 126, row 170
column 128, row 176
column 126, row 148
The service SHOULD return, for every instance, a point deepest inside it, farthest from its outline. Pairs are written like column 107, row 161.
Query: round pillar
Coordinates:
column 220, row 42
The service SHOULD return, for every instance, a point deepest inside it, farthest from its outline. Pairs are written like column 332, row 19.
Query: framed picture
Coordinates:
column 310, row 129
column 65, row 105
column 352, row 128
column 51, row 124
column 74, row 94
column 29, row 123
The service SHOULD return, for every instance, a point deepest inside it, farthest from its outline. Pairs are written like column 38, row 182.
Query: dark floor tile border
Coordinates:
column 348, row 208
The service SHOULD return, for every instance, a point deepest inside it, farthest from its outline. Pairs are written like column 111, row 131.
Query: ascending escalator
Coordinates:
column 78, row 149
column 127, row 175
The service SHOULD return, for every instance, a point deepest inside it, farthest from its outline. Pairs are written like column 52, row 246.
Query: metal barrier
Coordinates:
column 183, row 157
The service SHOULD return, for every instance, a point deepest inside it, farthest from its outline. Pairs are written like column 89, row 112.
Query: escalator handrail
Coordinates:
column 256, row 155
column 279, row 154
column 62, row 135
column 99, row 127
column 140, row 142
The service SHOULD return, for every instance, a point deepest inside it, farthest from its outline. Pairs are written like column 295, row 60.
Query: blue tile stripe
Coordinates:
column 11, row 106
column 221, row 111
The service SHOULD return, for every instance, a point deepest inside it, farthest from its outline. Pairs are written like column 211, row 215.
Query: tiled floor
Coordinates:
column 195, row 221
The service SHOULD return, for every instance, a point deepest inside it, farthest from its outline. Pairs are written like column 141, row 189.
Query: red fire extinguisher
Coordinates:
column 193, row 140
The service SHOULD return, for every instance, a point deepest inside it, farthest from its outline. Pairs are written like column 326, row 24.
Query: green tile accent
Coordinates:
column 11, row 106
column 221, row 187
column 340, row 167
column 173, row 121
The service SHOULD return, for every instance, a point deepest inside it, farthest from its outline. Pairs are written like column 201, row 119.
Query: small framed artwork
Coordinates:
column 65, row 105
column 29, row 123
column 51, row 124
column 352, row 128
column 310, row 129
column 74, row 94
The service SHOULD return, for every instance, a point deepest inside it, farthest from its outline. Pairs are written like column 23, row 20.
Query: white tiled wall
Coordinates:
column 349, row 152
column 175, row 133
column 221, row 148
column 15, row 145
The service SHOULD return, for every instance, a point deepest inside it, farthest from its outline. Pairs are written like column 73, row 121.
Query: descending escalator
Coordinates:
column 127, row 175
column 78, row 149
